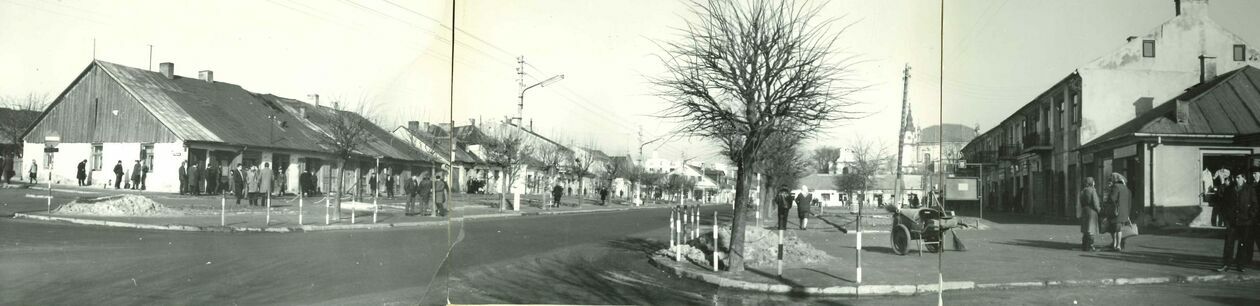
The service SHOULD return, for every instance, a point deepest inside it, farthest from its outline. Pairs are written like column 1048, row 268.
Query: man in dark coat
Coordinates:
column 135, row 175
column 1238, row 221
column 81, row 174
column 425, row 194
column 183, row 177
column 603, row 196
column 783, row 202
column 412, row 188
column 194, row 178
column 238, row 183
column 372, row 183
column 212, row 178
column 118, row 175
column 556, row 193
column 389, row 184
column 144, row 177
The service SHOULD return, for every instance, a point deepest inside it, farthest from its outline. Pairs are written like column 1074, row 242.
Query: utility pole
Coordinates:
column 150, row 57
column 901, row 134
column 520, row 83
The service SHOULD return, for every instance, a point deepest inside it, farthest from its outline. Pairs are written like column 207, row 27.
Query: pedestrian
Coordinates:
column 212, row 177
column 135, row 175
column 81, row 174
column 251, row 185
column 118, row 175
column 440, row 195
column 144, row 177
column 425, row 193
column 1089, row 215
column 304, row 183
column 603, row 196
column 412, row 189
column 372, row 182
column 35, row 170
column 183, row 177
column 282, row 183
column 556, row 193
column 194, row 178
column 238, row 183
column 803, row 202
column 1120, row 202
column 7, row 166
column 783, row 202
column 1220, row 187
column 1238, row 222
column 265, row 183
column 389, row 184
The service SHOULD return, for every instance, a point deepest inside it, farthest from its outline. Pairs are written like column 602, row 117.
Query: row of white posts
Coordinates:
column 684, row 224
column 301, row 207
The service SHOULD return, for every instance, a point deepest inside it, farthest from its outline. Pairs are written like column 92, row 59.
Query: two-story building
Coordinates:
column 1035, row 154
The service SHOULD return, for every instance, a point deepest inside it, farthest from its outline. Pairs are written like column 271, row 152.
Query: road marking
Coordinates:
column 38, row 196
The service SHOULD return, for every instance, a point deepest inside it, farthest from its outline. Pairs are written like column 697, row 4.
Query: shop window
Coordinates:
column 146, row 156
column 1148, row 48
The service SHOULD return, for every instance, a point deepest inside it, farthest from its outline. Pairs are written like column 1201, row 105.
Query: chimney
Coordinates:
column 1207, row 68
column 1191, row 7
column 1142, row 105
column 1183, row 112
column 167, row 69
column 531, row 124
column 472, row 122
column 206, row 75
column 302, row 112
column 413, row 126
column 314, row 98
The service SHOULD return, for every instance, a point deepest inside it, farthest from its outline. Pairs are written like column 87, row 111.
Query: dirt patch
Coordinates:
column 117, row 206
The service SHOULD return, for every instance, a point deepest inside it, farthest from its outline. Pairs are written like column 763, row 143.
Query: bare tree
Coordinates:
column 618, row 167
column 507, row 148
column 743, row 71
column 580, row 167
column 347, row 131
column 825, row 158
column 869, row 158
column 25, row 111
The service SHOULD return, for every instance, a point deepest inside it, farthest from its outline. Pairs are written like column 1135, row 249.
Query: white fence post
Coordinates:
column 715, row 242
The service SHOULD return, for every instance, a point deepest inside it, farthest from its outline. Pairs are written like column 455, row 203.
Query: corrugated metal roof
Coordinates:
column 1226, row 105
column 220, row 112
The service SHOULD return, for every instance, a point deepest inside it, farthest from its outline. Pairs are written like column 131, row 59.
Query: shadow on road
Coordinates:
column 1162, row 258
column 1044, row 244
column 568, row 279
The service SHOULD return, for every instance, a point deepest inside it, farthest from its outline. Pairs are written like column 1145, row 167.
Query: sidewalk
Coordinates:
column 1009, row 254
column 212, row 213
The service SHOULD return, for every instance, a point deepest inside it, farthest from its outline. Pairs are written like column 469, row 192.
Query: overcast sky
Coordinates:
column 396, row 54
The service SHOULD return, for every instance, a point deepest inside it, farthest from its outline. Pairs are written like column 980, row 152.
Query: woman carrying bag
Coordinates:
column 1120, row 204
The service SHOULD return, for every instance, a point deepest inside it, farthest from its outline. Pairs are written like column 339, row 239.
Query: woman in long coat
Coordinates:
column 1121, row 203
column 1089, row 215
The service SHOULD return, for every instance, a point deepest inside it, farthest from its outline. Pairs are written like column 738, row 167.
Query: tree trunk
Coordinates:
column 341, row 187
column 503, row 192
column 736, row 263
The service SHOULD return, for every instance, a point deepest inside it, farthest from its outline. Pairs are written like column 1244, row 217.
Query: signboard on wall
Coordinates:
column 962, row 189
column 1123, row 152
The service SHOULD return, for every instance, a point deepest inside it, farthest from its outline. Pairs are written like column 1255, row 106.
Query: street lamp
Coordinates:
column 520, row 116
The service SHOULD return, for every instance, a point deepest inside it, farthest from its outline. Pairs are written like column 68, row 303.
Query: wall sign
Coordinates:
column 1123, row 152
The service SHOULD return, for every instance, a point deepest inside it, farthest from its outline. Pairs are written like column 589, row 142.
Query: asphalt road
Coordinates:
column 594, row 258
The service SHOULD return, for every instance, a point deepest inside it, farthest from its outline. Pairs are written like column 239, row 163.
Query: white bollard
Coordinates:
column 697, row 208
column 375, row 208
column 222, row 211
column 299, row 208
column 677, row 250
column 671, row 229
column 268, row 209
column 859, row 257
column 715, row 242
column 327, row 205
column 353, row 211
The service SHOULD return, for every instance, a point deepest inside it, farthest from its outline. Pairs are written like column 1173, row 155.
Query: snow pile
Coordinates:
column 116, row 206
column 761, row 248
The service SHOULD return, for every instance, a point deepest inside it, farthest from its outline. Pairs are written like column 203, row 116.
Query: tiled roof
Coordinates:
column 219, row 112
column 1226, row 105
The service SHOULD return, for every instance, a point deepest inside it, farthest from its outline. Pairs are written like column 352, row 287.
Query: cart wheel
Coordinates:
column 900, row 237
column 932, row 248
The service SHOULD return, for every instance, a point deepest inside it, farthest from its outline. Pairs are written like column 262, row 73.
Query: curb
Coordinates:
column 719, row 280
column 295, row 229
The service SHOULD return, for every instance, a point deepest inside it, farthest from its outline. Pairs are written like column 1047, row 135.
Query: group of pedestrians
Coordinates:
column 1236, row 202
column 1110, row 215
column 783, row 200
column 420, row 190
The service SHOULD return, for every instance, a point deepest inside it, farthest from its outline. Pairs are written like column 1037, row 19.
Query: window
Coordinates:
column 1240, row 53
column 97, row 152
column 146, row 156
column 1076, row 107
column 1148, row 48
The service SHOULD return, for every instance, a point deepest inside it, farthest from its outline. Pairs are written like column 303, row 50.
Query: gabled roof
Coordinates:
column 219, row 112
column 439, row 144
column 1226, row 105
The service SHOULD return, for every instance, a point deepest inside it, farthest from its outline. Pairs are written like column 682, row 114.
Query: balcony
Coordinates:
column 1037, row 142
column 983, row 156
